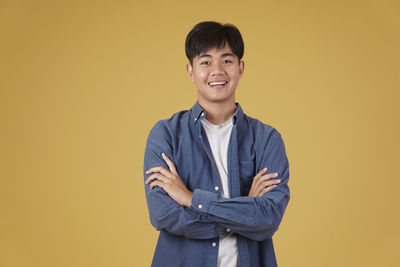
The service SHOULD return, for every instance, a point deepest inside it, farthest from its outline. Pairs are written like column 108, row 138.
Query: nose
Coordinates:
column 217, row 70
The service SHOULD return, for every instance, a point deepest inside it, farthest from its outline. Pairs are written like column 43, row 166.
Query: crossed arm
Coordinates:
column 170, row 181
column 202, row 214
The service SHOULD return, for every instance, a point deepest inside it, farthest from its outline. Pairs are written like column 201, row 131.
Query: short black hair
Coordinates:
column 210, row 34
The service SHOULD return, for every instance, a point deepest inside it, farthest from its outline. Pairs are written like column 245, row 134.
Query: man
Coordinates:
column 216, row 180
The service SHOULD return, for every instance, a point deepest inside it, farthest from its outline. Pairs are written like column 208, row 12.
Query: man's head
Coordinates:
column 215, row 53
column 209, row 34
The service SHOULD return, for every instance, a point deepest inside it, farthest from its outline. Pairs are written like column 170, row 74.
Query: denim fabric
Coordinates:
column 189, row 236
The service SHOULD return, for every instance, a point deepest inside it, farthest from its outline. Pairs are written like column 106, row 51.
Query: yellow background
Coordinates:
column 82, row 83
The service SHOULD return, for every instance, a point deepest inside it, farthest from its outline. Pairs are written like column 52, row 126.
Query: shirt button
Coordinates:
column 200, row 206
column 214, row 244
column 228, row 230
column 216, row 188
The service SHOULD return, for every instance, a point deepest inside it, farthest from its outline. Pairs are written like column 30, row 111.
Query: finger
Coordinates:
column 269, row 176
column 269, row 183
column 265, row 190
column 256, row 179
column 260, row 173
column 156, row 183
column 159, row 169
column 169, row 163
column 155, row 176
column 264, row 184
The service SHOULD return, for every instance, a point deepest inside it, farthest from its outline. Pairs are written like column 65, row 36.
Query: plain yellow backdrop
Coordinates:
column 83, row 82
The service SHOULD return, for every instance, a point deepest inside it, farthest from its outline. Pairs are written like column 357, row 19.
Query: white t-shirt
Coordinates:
column 218, row 137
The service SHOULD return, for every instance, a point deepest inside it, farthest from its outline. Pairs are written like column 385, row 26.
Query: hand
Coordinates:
column 261, row 183
column 170, row 182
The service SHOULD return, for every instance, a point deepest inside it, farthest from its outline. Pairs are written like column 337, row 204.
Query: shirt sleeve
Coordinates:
column 256, row 218
column 166, row 214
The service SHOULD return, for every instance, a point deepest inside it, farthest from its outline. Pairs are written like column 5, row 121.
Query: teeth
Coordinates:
column 217, row 83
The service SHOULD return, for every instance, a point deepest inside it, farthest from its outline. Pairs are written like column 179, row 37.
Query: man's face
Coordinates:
column 216, row 74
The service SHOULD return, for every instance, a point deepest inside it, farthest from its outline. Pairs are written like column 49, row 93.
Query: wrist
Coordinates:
column 189, row 199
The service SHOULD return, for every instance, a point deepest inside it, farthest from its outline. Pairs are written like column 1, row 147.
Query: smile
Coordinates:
column 217, row 84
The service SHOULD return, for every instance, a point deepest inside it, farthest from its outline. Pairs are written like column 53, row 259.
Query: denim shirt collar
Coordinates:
column 197, row 111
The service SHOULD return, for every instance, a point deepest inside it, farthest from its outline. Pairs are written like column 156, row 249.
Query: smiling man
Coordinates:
column 216, row 180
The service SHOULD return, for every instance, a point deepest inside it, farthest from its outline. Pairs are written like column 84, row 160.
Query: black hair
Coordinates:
column 210, row 34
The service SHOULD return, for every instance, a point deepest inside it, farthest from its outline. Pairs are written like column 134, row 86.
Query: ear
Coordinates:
column 189, row 70
column 241, row 68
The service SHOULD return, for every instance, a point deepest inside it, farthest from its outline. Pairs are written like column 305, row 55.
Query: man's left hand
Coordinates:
column 170, row 181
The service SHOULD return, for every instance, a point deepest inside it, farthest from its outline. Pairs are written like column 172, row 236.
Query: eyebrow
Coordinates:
column 223, row 55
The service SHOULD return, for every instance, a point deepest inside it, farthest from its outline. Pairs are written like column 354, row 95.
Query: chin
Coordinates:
column 218, row 99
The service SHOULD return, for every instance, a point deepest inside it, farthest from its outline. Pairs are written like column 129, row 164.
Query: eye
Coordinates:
column 227, row 61
column 205, row 63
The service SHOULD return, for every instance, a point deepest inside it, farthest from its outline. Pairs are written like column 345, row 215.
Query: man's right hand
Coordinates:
column 262, row 183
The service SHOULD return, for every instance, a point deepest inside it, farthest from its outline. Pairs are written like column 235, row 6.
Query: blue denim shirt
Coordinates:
column 189, row 236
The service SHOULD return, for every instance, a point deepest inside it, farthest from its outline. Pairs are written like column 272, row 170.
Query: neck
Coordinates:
column 218, row 113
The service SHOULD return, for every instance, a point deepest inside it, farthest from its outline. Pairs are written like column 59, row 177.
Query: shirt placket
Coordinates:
column 234, row 187
column 213, row 244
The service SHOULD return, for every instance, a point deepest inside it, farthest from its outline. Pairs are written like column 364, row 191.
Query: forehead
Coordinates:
column 217, row 52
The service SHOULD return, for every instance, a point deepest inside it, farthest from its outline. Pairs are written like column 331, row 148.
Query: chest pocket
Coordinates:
column 246, row 175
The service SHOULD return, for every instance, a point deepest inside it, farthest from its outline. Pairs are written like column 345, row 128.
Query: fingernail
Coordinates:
column 279, row 180
column 276, row 174
column 265, row 169
column 147, row 171
column 162, row 154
